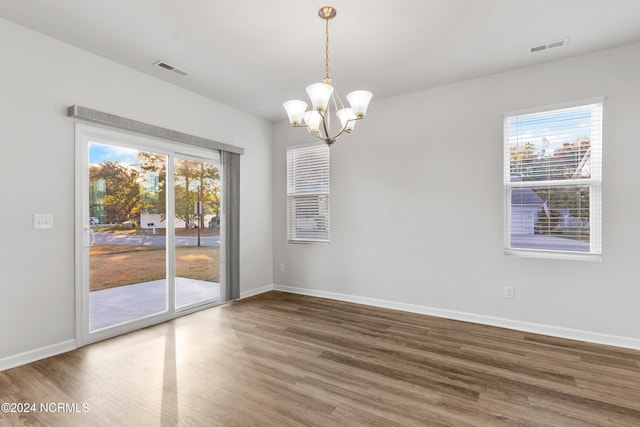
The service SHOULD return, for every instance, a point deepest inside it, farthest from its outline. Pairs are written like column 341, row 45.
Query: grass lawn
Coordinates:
column 119, row 265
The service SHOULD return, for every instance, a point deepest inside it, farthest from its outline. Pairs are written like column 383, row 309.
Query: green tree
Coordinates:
column 209, row 180
column 568, row 158
column 522, row 160
column 154, row 170
column 122, row 195
column 192, row 176
column 185, row 190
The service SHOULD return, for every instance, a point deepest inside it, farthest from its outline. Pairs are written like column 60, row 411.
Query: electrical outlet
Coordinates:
column 281, row 268
column 42, row 221
column 509, row 292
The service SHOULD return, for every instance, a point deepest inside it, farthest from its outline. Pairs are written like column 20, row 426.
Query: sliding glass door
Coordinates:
column 149, row 247
column 197, row 230
column 127, row 258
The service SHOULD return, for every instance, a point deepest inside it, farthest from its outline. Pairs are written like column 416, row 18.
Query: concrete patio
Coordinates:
column 109, row 307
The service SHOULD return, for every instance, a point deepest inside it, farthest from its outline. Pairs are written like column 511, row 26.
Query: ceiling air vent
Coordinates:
column 550, row 45
column 169, row 67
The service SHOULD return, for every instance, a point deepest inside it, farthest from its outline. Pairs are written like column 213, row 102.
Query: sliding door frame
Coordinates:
column 84, row 134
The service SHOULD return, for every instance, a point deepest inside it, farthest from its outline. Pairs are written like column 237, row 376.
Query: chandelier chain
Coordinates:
column 326, row 51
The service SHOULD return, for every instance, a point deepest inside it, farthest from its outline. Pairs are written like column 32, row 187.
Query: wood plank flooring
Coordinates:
column 279, row 359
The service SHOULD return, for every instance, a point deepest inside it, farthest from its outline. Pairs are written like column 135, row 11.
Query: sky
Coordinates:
column 557, row 128
column 100, row 152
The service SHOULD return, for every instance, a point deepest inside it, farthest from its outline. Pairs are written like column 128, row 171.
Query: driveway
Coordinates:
column 539, row 241
column 153, row 240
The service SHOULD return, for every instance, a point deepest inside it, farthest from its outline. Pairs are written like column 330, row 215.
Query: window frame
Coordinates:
column 594, row 183
column 292, row 236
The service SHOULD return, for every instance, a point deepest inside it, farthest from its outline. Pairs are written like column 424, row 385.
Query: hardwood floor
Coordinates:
column 281, row 359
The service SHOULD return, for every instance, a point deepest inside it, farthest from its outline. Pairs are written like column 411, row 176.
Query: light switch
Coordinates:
column 42, row 221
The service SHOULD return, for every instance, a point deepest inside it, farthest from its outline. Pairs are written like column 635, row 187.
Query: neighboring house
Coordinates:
column 148, row 220
column 151, row 221
column 525, row 208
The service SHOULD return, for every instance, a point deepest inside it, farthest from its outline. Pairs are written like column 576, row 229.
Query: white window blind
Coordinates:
column 308, row 189
column 553, row 180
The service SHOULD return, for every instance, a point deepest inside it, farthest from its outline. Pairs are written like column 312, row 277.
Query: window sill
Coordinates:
column 309, row 242
column 531, row 253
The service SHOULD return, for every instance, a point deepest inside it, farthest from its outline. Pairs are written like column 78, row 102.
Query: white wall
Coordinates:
column 40, row 79
column 417, row 206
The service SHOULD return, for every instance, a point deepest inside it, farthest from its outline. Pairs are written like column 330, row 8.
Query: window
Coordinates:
column 553, row 181
column 308, row 194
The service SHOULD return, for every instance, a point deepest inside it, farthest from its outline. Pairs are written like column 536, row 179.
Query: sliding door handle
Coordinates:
column 89, row 237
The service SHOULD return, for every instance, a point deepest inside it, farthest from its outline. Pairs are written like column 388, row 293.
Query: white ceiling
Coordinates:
column 256, row 54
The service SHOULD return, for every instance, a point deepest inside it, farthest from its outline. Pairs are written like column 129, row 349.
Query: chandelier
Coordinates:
column 323, row 97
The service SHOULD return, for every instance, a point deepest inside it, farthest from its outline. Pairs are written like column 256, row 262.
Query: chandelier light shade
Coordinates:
column 295, row 111
column 324, row 98
column 347, row 119
column 359, row 100
column 320, row 94
column 313, row 119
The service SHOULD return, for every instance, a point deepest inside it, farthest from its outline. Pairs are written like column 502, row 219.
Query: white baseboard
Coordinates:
column 536, row 328
column 37, row 354
column 256, row 291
